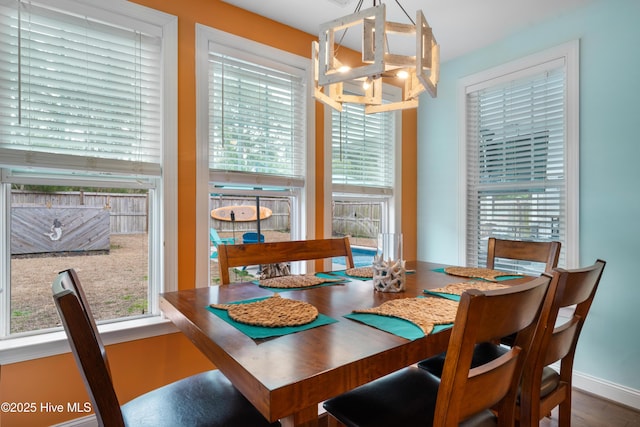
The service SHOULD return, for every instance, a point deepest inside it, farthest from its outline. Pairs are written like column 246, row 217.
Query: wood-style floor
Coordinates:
column 590, row 411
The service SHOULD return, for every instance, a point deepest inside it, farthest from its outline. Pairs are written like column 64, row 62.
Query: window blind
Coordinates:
column 74, row 87
column 257, row 129
column 362, row 150
column 515, row 163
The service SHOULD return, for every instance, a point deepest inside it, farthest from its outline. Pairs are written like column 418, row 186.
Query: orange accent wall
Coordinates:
column 409, row 183
column 142, row 365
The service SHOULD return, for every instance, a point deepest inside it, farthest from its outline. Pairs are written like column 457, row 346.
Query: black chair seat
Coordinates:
column 206, row 399
column 550, row 381
column 484, row 353
column 411, row 403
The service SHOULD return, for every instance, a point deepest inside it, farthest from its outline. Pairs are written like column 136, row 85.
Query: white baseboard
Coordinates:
column 87, row 421
column 607, row 390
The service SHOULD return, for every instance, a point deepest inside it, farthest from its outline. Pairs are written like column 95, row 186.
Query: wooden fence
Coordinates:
column 128, row 213
column 358, row 219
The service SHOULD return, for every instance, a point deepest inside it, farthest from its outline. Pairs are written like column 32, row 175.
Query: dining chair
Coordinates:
column 547, row 253
column 276, row 252
column 543, row 387
column 463, row 395
column 207, row 398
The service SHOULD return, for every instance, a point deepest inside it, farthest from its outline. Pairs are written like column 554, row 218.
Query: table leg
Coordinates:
column 308, row 417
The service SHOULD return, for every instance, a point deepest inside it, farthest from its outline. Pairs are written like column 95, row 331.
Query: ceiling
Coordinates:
column 459, row 26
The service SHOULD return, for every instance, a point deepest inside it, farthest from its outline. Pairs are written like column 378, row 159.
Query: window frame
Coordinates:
column 247, row 49
column 53, row 341
column 569, row 52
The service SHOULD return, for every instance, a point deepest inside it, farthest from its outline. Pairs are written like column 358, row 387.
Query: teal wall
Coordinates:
column 609, row 34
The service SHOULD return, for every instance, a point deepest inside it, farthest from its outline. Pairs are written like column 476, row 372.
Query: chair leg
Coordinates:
column 564, row 411
column 332, row 422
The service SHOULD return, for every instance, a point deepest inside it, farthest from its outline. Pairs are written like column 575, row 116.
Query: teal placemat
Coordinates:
column 257, row 332
column 499, row 279
column 443, row 295
column 343, row 273
column 393, row 325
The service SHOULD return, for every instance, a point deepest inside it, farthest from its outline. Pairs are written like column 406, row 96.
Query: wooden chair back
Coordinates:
column 544, row 252
column 555, row 341
column 87, row 347
column 481, row 317
column 276, row 252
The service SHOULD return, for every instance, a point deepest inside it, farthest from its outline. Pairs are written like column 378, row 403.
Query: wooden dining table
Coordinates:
column 287, row 377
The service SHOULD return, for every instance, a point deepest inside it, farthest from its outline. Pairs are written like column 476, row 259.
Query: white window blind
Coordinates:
column 362, row 150
column 85, row 92
column 516, row 163
column 257, row 130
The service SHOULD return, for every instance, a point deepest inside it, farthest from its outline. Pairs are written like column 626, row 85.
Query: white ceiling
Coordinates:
column 459, row 26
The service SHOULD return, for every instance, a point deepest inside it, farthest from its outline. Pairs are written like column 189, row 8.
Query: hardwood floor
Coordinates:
column 591, row 411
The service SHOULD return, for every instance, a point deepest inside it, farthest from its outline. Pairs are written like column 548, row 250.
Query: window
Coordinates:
column 86, row 157
column 518, row 144
column 255, row 117
column 364, row 152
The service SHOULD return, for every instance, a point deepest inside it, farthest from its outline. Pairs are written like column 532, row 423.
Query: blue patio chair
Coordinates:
column 217, row 240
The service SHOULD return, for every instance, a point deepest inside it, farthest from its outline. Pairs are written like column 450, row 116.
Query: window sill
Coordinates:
column 20, row 349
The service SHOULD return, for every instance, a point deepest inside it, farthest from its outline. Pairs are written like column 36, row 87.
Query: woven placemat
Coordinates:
column 271, row 312
column 481, row 273
column 360, row 272
column 296, row 281
column 459, row 288
column 423, row 312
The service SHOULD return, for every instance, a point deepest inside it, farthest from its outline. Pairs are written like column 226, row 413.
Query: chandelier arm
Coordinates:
column 344, row 33
column 405, row 12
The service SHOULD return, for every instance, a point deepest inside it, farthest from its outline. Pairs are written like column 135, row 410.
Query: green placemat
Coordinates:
column 443, row 295
column 499, row 279
column 343, row 273
column 258, row 332
column 323, row 275
column 393, row 325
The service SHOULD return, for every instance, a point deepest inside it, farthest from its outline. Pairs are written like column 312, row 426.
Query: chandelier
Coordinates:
column 419, row 72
